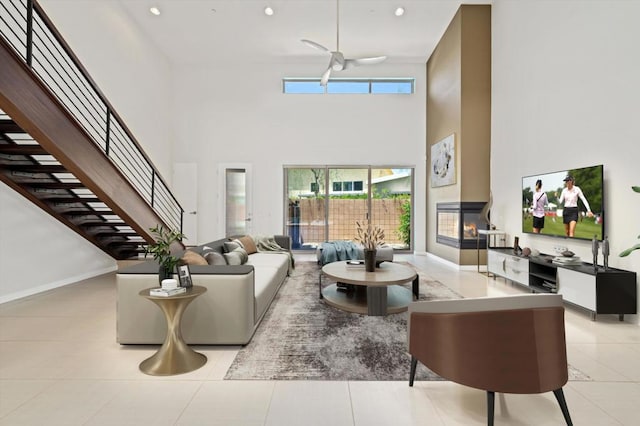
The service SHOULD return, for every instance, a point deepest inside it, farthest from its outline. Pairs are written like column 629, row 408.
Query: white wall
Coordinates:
column 565, row 95
column 238, row 114
column 36, row 251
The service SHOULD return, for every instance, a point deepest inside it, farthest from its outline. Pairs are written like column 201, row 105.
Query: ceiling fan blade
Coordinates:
column 350, row 63
column 325, row 77
column 315, row 45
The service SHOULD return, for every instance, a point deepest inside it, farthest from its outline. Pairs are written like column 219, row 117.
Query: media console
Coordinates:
column 600, row 291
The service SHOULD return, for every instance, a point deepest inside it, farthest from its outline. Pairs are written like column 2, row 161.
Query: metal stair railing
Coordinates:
column 30, row 32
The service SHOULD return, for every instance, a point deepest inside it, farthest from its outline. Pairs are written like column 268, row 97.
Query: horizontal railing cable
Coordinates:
column 92, row 114
column 27, row 28
column 14, row 30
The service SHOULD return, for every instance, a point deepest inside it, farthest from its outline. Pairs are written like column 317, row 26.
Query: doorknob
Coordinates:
column 248, row 219
column 193, row 212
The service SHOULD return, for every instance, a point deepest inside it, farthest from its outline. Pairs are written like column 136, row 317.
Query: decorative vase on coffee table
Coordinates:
column 370, row 260
column 164, row 273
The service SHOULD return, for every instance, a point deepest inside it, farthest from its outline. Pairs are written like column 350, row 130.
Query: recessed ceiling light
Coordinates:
column 268, row 11
column 154, row 10
column 399, row 11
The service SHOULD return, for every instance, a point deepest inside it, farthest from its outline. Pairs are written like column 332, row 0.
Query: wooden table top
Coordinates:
column 388, row 273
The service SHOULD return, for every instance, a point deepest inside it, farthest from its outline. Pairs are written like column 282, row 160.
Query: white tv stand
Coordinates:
column 600, row 291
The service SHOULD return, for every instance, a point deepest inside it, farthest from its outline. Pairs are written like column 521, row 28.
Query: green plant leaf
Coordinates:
column 161, row 248
column 628, row 251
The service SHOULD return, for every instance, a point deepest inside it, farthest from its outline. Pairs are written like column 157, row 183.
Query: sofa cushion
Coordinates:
column 278, row 259
column 238, row 256
column 215, row 258
column 266, row 285
column 190, row 257
column 271, row 269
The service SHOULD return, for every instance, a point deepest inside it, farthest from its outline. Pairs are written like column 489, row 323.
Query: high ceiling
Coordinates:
column 215, row 31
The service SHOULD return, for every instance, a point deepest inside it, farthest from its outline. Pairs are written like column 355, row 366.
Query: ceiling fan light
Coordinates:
column 268, row 11
column 399, row 11
column 154, row 10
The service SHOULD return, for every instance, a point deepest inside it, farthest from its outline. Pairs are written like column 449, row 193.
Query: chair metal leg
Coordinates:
column 412, row 373
column 491, row 400
column 563, row 406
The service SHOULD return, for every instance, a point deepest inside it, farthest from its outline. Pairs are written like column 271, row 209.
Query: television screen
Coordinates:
column 567, row 203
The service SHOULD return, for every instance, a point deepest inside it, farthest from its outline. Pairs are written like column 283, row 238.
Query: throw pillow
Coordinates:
column 192, row 258
column 230, row 246
column 244, row 256
column 215, row 258
column 236, row 257
column 248, row 244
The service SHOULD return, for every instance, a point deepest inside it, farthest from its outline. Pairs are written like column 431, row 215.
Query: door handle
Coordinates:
column 193, row 212
column 248, row 219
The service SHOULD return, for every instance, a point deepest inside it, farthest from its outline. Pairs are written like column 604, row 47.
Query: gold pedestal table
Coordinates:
column 175, row 356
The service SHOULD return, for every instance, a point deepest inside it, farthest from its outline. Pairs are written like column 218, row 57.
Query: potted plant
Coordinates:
column 161, row 250
column 628, row 251
column 371, row 237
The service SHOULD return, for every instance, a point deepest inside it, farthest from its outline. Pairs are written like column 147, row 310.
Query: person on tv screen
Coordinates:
column 539, row 202
column 569, row 197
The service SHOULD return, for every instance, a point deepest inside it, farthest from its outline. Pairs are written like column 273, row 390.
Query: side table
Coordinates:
column 174, row 356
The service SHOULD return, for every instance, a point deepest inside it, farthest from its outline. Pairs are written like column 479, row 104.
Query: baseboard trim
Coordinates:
column 56, row 284
column 450, row 263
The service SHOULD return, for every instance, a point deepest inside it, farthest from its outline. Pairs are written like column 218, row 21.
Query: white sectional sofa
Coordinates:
column 228, row 313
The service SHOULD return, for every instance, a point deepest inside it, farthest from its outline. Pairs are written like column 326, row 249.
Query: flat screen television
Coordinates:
column 556, row 209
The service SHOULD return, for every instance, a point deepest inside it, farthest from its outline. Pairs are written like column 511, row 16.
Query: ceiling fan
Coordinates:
column 338, row 61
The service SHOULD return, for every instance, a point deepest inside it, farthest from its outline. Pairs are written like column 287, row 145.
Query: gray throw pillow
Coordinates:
column 230, row 246
column 215, row 258
column 238, row 256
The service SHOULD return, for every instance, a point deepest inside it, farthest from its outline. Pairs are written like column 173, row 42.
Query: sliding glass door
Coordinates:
column 348, row 201
column 391, row 204
column 325, row 202
column 306, row 214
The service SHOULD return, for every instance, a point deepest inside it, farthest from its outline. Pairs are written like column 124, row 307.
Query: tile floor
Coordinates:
column 60, row 365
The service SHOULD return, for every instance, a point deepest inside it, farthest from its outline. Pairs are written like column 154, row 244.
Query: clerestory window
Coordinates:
column 371, row 86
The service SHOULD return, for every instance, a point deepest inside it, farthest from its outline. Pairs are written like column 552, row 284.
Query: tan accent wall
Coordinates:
column 459, row 102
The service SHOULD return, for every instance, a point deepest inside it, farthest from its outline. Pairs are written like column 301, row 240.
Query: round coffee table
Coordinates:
column 376, row 293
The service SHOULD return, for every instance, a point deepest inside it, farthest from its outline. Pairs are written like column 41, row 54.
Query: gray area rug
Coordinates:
column 302, row 338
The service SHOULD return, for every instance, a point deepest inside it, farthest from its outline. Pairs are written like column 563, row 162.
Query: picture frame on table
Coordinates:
column 184, row 276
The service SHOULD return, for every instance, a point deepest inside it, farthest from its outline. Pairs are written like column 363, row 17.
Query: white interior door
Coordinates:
column 237, row 213
column 185, row 185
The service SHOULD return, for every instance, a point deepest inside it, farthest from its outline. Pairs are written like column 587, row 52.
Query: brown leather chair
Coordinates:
column 510, row 344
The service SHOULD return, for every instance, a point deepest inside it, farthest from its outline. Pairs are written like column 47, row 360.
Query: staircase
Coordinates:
column 64, row 147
